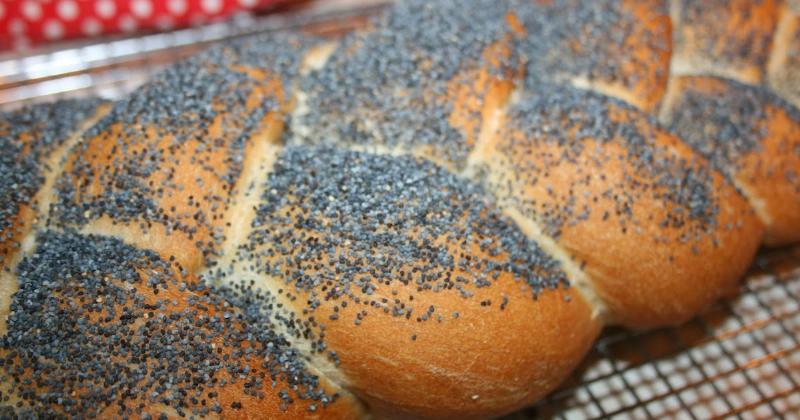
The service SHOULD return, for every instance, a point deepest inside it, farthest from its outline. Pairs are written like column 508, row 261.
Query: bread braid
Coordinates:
column 33, row 141
column 433, row 217
column 783, row 67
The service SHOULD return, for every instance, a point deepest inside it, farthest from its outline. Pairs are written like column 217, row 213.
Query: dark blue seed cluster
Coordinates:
column 99, row 326
column 27, row 137
column 577, row 121
column 389, row 85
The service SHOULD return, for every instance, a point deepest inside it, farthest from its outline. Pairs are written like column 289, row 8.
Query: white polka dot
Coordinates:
column 2, row 10
column 91, row 26
column 211, row 6
column 105, row 8
column 248, row 3
column 127, row 23
column 53, row 29
column 141, row 8
column 67, row 9
column 16, row 26
column 176, row 7
column 31, row 10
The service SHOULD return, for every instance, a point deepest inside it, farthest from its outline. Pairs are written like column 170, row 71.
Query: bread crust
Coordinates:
column 619, row 48
column 158, row 342
column 724, row 38
column 783, row 70
column 404, row 329
column 159, row 170
column 632, row 205
column 752, row 136
column 446, row 68
column 448, row 370
column 433, row 217
column 32, row 140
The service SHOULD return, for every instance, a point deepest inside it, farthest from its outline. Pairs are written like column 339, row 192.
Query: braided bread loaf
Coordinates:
column 433, row 217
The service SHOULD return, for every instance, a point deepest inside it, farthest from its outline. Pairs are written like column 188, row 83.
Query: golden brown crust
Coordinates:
column 122, row 332
column 752, row 136
column 306, row 281
column 724, row 38
column 17, row 226
column 445, row 66
column 31, row 140
column 485, row 363
column 190, row 217
column 432, row 302
column 783, row 71
column 476, row 93
column 619, row 48
column 636, row 208
column 159, row 170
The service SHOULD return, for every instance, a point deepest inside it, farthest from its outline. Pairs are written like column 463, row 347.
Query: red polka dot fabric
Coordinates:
column 28, row 22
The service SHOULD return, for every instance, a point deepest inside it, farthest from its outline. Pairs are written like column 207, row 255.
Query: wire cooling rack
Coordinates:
column 740, row 359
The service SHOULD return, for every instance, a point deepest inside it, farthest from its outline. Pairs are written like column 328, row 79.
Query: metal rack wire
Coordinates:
column 113, row 67
column 740, row 359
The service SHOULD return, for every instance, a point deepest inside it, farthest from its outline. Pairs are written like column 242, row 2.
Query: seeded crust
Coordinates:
column 783, row 71
column 160, row 168
column 752, row 136
column 619, row 48
column 33, row 141
column 28, row 137
column 420, row 78
column 163, row 172
column 393, row 262
column 394, row 250
column 727, row 38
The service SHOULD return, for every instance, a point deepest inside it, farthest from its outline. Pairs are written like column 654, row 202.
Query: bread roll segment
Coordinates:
column 749, row 134
column 100, row 328
column 419, row 77
column 783, row 70
column 621, row 48
column 726, row 38
column 29, row 137
column 658, row 232
column 160, row 168
column 33, row 141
